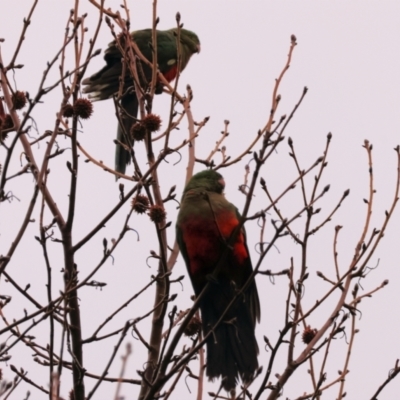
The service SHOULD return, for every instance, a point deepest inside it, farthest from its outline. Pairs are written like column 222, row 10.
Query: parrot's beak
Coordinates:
column 198, row 48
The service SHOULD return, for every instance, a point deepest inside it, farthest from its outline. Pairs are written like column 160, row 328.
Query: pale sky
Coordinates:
column 348, row 57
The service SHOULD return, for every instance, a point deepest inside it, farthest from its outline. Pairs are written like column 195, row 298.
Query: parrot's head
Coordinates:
column 209, row 180
column 190, row 40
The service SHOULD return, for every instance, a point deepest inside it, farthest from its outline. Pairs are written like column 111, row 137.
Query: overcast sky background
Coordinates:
column 348, row 57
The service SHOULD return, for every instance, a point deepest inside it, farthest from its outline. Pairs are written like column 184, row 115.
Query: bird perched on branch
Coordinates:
column 205, row 224
column 105, row 83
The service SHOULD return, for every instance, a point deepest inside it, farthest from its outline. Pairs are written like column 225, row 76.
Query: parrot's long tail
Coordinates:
column 129, row 104
column 232, row 347
column 103, row 85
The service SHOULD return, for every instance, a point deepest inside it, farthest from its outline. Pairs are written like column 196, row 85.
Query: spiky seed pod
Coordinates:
column 140, row 203
column 157, row 213
column 308, row 334
column 83, row 108
column 152, row 122
column 138, row 131
column 67, row 111
column 193, row 327
column 18, row 100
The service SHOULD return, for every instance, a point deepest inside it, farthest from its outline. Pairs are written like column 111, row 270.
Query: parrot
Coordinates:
column 205, row 222
column 105, row 83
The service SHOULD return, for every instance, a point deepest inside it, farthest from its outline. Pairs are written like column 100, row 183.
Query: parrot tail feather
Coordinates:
column 232, row 347
column 123, row 157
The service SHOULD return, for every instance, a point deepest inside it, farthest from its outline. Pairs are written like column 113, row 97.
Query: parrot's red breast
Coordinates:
column 170, row 75
column 203, row 240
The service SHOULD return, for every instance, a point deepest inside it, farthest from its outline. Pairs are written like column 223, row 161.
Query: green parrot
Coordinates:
column 105, row 83
column 205, row 223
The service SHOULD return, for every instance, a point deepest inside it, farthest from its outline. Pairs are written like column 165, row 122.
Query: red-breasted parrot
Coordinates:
column 205, row 223
column 105, row 83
